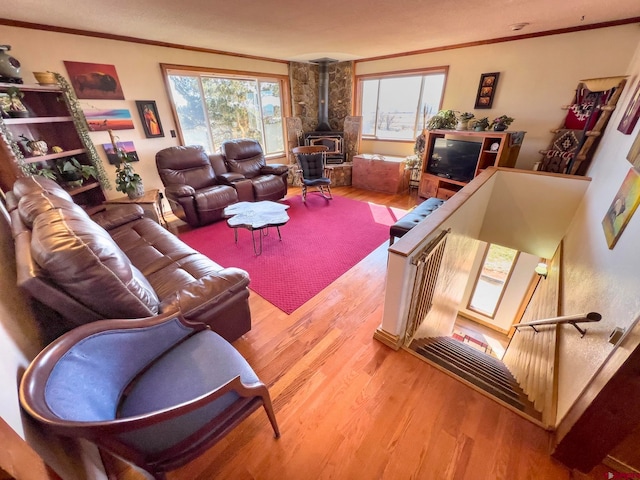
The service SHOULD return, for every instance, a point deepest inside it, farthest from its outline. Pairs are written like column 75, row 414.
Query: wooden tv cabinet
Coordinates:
column 498, row 149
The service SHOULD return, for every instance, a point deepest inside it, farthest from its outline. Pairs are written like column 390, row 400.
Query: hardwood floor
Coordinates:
column 351, row 408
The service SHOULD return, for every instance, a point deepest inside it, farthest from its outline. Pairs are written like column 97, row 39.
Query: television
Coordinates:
column 454, row 159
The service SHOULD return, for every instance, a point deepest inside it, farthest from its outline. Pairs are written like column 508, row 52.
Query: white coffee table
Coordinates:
column 256, row 216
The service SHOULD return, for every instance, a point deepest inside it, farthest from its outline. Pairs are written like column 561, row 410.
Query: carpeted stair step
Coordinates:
column 464, row 357
column 478, row 368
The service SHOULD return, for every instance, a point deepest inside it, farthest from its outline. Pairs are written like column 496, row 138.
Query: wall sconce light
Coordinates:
column 542, row 270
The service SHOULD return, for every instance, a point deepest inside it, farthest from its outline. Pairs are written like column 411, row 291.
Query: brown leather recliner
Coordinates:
column 191, row 185
column 247, row 166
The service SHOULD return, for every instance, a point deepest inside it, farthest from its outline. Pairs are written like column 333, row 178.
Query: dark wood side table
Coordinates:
column 151, row 203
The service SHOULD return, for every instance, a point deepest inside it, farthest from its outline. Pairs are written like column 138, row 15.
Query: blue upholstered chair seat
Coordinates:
column 317, row 181
column 157, row 391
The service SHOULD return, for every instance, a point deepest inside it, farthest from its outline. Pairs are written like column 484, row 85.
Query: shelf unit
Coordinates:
column 51, row 120
column 498, row 149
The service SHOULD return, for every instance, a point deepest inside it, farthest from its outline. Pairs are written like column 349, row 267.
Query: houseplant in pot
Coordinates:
column 74, row 173
column 501, row 123
column 481, row 124
column 127, row 180
column 444, row 119
column 463, row 120
column 16, row 107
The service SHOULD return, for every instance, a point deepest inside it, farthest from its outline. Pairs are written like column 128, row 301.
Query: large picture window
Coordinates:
column 396, row 106
column 214, row 107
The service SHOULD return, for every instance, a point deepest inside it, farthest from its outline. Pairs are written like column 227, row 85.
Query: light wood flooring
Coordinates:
column 351, row 408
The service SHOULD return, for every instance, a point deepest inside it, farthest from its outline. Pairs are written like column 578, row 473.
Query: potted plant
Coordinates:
column 46, row 172
column 127, row 180
column 463, row 120
column 444, row 119
column 16, row 108
column 501, row 123
column 74, row 173
column 481, row 124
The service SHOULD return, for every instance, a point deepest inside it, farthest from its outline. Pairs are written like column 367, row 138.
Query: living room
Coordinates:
column 539, row 75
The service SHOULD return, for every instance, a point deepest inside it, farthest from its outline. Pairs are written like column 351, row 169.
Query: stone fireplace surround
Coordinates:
column 304, row 79
column 304, row 93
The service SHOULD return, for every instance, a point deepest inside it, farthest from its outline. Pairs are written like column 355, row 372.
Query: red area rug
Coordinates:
column 322, row 240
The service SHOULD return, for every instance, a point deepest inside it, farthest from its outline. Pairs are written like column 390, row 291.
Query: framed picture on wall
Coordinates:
column 634, row 152
column 112, row 155
column 150, row 118
column 109, row 119
column 622, row 208
column 631, row 113
column 94, row 80
column 487, row 89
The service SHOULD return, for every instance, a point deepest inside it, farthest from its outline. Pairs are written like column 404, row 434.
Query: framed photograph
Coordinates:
column 634, row 152
column 631, row 113
column 114, row 119
column 112, row 156
column 486, row 89
column 622, row 208
column 94, row 80
column 150, row 118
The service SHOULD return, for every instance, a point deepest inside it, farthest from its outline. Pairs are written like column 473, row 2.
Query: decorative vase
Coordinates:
column 499, row 127
column 479, row 128
column 137, row 192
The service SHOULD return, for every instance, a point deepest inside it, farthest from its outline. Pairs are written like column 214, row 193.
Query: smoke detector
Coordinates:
column 518, row 26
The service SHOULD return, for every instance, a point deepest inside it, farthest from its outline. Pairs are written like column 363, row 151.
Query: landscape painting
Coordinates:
column 94, row 80
column 114, row 119
column 128, row 147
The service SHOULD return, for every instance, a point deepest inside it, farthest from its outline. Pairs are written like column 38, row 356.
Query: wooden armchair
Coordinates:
column 157, row 392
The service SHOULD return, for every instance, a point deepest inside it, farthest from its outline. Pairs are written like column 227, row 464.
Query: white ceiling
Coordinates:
column 302, row 30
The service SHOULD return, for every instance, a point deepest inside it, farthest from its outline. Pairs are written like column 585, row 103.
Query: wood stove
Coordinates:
column 334, row 141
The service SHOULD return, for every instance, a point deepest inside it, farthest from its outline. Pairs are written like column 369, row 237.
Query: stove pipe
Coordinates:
column 323, row 93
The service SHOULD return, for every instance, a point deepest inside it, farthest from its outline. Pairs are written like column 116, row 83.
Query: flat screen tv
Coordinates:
column 454, row 159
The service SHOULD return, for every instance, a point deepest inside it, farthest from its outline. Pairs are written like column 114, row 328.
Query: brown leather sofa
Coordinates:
column 116, row 264
column 198, row 186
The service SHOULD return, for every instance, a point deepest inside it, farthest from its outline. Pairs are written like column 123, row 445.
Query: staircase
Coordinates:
column 477, row 368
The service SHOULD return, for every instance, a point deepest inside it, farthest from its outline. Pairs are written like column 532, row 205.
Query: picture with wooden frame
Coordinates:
column 150, row 118
column 631, row 113
column 487, row 89
column 634, row 153
column 622, row 208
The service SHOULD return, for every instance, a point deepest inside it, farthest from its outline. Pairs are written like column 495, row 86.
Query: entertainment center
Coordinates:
column 452, row 158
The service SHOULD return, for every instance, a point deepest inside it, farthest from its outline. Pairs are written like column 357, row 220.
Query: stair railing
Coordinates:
column 570, row 319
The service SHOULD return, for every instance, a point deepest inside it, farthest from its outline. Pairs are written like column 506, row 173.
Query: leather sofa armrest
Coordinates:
column 177, row 191
column 198, row 297
column 275, row 169
column 114, row 217
column 229, row 178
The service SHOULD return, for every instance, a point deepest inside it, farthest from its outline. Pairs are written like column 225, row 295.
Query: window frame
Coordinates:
column 398, row 74
column 504, row 286
column 186, row 70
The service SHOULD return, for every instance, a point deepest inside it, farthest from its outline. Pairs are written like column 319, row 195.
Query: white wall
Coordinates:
column 537, row 77
column 138, row 67
column 596, row 278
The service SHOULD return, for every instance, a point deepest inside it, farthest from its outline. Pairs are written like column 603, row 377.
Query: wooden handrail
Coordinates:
column 570, row 319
